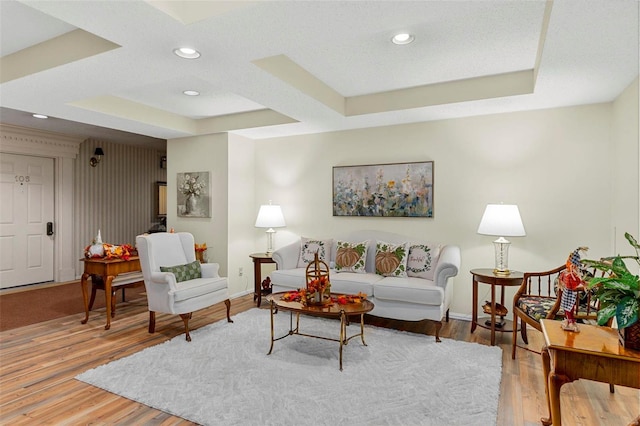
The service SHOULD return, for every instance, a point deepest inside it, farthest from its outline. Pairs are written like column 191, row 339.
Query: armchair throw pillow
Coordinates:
column 186, row 272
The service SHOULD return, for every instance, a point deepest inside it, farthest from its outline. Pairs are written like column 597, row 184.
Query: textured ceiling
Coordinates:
column 277, row 68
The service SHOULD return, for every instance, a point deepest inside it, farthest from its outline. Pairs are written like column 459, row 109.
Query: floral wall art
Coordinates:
column 194, row 198
column 390, row 190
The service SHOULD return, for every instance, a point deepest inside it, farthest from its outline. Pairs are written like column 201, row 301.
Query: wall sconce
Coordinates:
column 163, row 162
column 98, row 153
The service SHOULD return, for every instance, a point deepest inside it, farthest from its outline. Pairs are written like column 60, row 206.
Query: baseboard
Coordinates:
column 458, row 316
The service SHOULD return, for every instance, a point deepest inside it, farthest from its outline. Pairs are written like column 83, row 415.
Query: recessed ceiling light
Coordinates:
column 40, row 116
column 402, row 38
column 191, row 92
column 187, row 52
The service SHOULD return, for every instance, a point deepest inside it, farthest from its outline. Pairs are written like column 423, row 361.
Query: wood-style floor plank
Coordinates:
column 38, row 364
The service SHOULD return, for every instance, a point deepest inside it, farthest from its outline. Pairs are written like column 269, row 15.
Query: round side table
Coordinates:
column 258, row 260
column 487, row 276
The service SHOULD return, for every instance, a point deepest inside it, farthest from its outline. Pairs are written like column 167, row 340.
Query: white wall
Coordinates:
column 625, row 183
column 202, row 154
column 241, row 233
column 553, row 163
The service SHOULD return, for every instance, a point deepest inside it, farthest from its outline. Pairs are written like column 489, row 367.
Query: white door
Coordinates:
column 26, row 206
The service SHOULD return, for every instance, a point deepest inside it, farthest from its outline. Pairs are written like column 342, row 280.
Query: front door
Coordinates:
column 26, row 207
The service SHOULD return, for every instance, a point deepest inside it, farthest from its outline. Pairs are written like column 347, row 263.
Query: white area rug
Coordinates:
column 224, row 376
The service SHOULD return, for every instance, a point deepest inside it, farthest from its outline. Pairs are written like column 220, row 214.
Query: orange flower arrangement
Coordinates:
column 200, row 249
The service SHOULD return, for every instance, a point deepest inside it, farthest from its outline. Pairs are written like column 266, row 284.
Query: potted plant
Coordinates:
column 618, row 292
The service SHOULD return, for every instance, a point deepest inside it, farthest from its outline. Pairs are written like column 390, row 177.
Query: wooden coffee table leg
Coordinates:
column 362, row 329
column 271, row 309
column 343, row 334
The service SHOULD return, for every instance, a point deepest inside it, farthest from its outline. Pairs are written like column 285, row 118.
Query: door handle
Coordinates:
column 49, row 228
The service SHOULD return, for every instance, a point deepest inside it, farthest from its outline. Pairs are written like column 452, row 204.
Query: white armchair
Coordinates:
column 180, row 296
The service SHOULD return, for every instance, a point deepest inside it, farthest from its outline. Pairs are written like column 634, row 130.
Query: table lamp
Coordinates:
column 270, row 216
column 501, row 220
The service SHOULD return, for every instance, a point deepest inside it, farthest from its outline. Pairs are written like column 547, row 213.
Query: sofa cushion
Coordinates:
column 422, row 260
column 353, row 283
column 351, row 257
column 391, row 259
column 185, row 272
column 410, row 290
column 309, row 247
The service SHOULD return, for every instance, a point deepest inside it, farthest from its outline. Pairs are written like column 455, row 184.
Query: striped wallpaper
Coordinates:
column 118, row 196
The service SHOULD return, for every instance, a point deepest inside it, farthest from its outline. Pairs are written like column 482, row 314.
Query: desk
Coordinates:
column 592, row 354
column 258, row 260
column 488, row 277
column 108, row 269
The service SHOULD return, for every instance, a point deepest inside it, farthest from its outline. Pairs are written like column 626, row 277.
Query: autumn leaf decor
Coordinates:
column 345, row 299
column 301, row 295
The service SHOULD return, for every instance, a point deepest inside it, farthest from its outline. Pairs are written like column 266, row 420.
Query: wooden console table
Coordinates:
column 108, row 269
column 592, row 354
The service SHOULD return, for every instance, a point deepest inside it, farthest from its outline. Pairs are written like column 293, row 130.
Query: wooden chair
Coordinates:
column 538, row 297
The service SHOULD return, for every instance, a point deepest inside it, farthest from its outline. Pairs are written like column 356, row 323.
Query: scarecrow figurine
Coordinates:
column 571, row 280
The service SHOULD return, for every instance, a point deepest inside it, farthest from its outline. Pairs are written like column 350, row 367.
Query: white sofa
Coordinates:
column 407, row 298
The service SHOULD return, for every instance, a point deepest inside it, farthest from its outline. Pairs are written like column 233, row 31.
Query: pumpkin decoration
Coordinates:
column 391, row 259
column 351, row 257
column 347, row 257
column 386, row 262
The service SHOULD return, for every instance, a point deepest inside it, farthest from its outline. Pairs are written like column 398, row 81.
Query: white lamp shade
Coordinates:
column 502, row 220
column 270, row 216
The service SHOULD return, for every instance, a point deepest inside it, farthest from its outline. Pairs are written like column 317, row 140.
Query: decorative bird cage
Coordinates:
column 318, row 290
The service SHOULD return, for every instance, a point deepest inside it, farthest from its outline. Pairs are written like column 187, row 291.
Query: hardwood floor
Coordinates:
column 38, row 364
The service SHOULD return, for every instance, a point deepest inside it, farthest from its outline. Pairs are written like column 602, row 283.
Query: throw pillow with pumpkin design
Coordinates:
column 391, row 259
column 351, row 257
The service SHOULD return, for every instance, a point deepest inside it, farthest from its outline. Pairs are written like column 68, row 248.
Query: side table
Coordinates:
column 487, row 276
column 258, row 260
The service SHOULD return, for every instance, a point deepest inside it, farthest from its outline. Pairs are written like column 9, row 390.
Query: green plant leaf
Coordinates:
column 606, row 313
column 632, row 241
column 627, row 312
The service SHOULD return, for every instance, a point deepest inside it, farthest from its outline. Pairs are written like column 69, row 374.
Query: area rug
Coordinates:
column 225, row 377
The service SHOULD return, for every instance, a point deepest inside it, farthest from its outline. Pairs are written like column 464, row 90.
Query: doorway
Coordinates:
column 26, row 220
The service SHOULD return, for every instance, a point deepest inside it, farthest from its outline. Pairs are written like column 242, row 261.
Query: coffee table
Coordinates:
column 334, row 310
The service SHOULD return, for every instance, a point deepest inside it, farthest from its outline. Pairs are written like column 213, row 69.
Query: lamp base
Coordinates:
column 270, row 233
column 501, row 246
